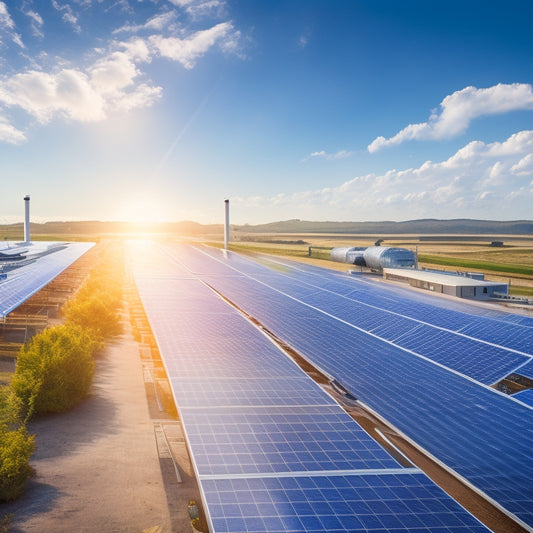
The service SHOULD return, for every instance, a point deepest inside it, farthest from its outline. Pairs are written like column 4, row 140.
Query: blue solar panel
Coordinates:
column 239, row 392
column 525, row 396
column 275, row 439
column 456, row 419
column 380, row 316
column 402, row 503
column 22, row 283
column 240, row 418
column 525, row 370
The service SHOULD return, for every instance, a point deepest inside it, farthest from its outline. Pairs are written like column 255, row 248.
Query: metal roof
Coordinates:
column 451, row 279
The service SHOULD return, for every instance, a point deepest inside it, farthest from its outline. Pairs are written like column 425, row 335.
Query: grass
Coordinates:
column 519, row 290
column 477, row 264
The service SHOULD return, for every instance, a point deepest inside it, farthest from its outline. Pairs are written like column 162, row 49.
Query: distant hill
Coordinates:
column 95, row 227
column 189, row 228
column 424, row 226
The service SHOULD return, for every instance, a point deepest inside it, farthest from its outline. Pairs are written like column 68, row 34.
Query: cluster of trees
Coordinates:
column 55, row 369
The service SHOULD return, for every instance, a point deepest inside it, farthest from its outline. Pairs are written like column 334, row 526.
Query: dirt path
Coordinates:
column 98, row 468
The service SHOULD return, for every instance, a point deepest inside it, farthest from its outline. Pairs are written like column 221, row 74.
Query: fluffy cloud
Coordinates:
column 115, row 81
column 86, row 96
column 459, row 109
column 480, row 180
column 187, row 51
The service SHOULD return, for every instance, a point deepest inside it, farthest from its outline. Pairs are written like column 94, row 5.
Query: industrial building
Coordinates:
column 452, row 284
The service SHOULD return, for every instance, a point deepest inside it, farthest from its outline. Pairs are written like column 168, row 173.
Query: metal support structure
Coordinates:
column 226, row 224
column 27, row 219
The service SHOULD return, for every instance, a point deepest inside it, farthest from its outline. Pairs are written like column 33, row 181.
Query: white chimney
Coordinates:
column 226, row 225
column 27, row 219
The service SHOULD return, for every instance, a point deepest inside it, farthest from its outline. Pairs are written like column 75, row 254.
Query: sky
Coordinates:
column 340, row 110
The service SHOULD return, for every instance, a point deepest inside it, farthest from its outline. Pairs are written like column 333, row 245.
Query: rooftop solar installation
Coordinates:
column 478, row 432
column 272, row 450
column 45, row 261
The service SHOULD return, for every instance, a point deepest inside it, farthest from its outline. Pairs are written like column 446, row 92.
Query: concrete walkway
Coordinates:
column 97, row 466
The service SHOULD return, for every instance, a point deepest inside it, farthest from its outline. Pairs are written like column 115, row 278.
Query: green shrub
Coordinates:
column 11, row 409
column 54, row 371
column 16, row 448
column 93, row 312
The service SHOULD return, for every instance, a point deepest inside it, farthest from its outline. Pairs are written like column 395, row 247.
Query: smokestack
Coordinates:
column 226, row 225
column 27, row 219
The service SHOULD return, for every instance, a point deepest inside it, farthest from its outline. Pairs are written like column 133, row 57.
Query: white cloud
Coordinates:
column 187, row 51
column 157, row 23
column 36, row 23
column 110, row 84
column 115, row 81
column 9, row 133
column 197, row 8
column 480, row 180
column 459, row 109
column 5, row 18
column 341, row 154
column 7, row 26
column 68, row 15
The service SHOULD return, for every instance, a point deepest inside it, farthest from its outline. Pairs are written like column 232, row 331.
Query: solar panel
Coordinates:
column 525, row 370
column 22, row 283
column 400, row 503
column 273, row 439
column 480, row 360
column 525, row 396
column 243, row 420
column 456, row 419
column 258, row 392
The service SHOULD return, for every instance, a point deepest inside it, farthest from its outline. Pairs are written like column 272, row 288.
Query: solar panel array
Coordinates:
column 272, row 451
column 481, row 434
column 482, row 348
column 22, row 283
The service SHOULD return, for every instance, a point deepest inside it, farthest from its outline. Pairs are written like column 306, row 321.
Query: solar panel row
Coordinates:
column 25, row 281
column 480, row 433
column 489, row 346
column 273, row 451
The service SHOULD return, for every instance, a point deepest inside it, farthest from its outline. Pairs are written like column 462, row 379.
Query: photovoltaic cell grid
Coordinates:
column 24, row 282
column 305, row 433
column 525, row 396
column 526, row 370
column 447, row 314
column 481, row 360
column 403, row 503
column 483, row 435
column 267, row 391
column 258, row 440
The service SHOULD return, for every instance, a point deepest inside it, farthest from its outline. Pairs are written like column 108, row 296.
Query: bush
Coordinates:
column 16, row 448
column 92, row 311
column 54, row 371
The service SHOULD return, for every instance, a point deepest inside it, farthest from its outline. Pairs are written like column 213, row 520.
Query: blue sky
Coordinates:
column 312, row 109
